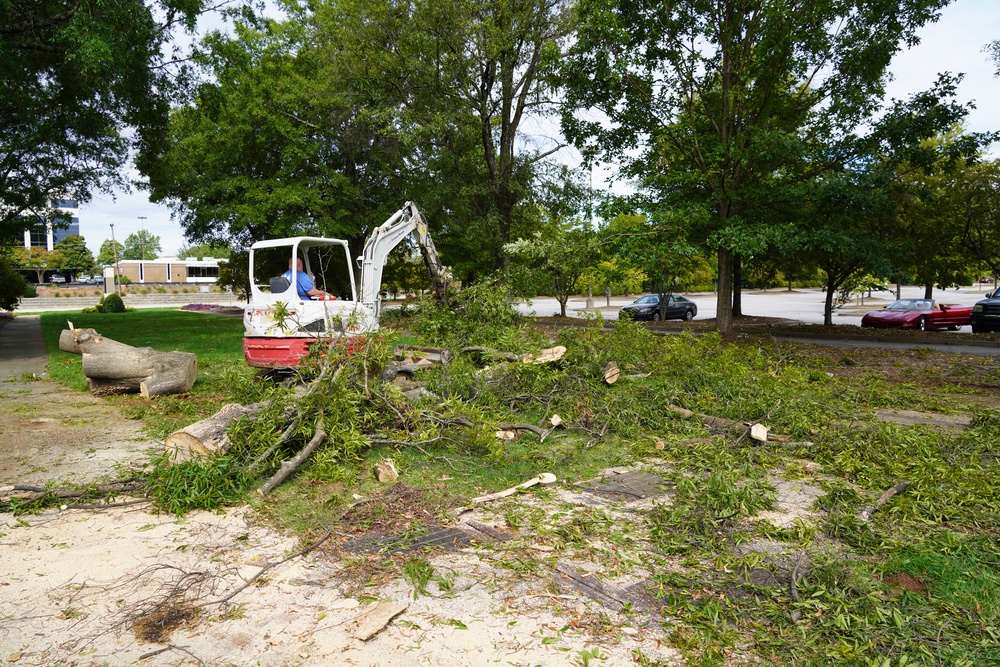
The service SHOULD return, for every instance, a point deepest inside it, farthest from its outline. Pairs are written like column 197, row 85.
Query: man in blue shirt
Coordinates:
column 303, row 282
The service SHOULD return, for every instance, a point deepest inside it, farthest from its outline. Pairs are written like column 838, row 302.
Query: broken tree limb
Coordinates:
column 611, row 373
column 523, row 427
column 707, row 420
column 547, row 355
column 866, row 512
column 208, row 436
column 77, row 341
column 494, row 353
column 288, row 467
column 143, row 370
column 116, row 368
column 545, row 479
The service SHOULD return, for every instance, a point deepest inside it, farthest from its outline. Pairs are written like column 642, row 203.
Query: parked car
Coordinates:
column 58, row 279
column 648, row 308
column 922, row 314
column 986, row 313
column 98, row 279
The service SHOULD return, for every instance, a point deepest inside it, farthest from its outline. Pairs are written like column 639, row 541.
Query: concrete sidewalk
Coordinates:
column 22, row 348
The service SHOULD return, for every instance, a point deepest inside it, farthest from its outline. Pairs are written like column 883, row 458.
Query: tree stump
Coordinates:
column 116, row 368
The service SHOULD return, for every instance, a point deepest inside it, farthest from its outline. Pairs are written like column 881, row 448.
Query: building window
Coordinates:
column 73, row 228
column 39, row 237
column 203, row 271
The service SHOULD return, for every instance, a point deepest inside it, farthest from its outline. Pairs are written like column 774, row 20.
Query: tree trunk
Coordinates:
column 724, row 299
column 828, row 307
column 737, row 285
column 899, row 290
column 208, row 436
column 929, row 291
column 116, row 368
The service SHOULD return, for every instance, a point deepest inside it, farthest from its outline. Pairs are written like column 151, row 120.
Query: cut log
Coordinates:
column 116, row 368
column 123, row 369
column 78, row 341
column 208, row 436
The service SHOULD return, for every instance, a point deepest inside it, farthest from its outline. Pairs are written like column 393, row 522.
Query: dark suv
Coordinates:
column 986, row 313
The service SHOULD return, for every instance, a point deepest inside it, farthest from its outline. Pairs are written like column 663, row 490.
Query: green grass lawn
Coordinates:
column 217, row 341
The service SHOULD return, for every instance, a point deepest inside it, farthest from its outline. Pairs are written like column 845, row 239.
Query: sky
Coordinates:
column 952, row 44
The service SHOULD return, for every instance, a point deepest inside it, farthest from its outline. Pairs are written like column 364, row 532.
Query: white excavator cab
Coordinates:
column 281, row 322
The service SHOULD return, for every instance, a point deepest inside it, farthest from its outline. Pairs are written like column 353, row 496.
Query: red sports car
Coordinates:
column 922, row 314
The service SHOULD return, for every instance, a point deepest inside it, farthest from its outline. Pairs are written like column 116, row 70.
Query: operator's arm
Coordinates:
column 306, row 283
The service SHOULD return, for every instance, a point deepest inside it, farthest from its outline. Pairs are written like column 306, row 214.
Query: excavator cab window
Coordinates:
column 329, row 270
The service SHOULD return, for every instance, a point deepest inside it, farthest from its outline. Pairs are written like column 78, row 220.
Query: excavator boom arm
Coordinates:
column 383, row 240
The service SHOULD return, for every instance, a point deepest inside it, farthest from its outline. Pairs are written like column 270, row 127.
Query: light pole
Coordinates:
column 118, row 271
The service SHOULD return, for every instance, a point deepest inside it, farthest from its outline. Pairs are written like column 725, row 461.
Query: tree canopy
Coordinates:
column 84, row 84
column 106, row 255
column 141, row 245
column 325, row 123
column 77, row 257
column 718, row 103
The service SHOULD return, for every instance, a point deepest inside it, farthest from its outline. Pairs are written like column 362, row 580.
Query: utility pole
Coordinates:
column 118, row 271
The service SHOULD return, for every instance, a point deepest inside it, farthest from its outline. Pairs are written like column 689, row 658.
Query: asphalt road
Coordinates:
column 803, row 305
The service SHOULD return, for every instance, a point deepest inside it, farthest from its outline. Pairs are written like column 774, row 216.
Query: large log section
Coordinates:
column 208, row 436
column 116, row 368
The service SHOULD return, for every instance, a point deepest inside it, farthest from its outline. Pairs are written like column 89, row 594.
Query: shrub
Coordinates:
column 30, row 291
column 112, row 303
column 12, row 286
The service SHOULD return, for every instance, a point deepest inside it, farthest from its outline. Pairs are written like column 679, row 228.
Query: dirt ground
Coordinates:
column 85, row 587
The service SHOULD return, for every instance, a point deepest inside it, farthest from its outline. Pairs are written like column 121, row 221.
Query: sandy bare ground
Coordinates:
column 83, row 587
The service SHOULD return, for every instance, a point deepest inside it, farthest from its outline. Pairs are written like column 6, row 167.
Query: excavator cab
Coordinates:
column 280, row 325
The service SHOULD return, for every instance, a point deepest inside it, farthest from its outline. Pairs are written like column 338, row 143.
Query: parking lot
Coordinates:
column 802, row 305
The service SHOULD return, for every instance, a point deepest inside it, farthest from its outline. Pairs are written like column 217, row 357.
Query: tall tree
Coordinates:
column 711, row 100
column 326, row 122
column 973, row 200
column 106, row 255
column 84, row 83
column 77, row 257
column 141, row 245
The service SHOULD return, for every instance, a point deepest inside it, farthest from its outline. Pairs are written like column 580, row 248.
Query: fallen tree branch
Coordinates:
column 288, row 467
column 866, row 513
column 707, row 420
column 266, row 568
column 496, row 354
column 523, row 427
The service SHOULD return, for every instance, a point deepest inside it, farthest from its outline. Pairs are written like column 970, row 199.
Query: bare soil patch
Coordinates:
column 52, row 433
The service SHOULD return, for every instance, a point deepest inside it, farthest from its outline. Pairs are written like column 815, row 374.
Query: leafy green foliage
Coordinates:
column 106, row 255
column 12, row 286
column 141, row 245
column 76, row 256
column 75, row 77
column 200, row 484
column 37, row 259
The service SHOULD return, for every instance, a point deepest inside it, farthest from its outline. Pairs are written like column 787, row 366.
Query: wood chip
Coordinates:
column 611, row 373
column 372, row 620
column 758, row 432
column 545, row 356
